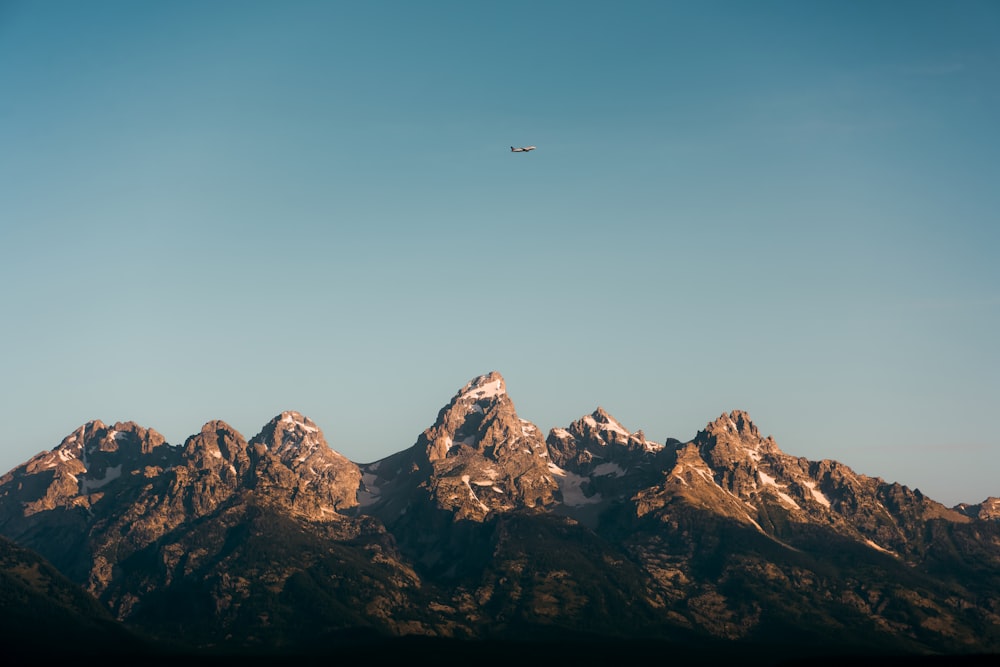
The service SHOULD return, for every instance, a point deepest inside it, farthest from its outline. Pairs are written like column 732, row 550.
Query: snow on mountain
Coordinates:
column 490, row 385
column 477, row 458
column 476, row 488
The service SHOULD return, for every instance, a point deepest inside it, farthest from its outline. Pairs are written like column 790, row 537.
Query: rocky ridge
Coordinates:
column 485, row 528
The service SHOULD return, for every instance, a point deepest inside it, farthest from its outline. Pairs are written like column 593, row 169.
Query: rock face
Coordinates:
column 483, row 529
column 478, row 458
column 106, row 494
column 85, row 462
column 295, row 466
column 730, row 468
column 988, row 510
column 598, row 462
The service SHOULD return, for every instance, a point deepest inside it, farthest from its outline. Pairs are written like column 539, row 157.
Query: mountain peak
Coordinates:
column 733, row 437
column 290, row 431
column 72, row 445
column 602, row 416
column 479, row 456
column 89, row 442
column 483, row 530
column 484, row 386
column 216, row 444
column 291, row 455
column 736, row 422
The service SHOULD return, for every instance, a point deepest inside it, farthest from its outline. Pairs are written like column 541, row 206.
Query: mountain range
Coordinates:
column 487, row 532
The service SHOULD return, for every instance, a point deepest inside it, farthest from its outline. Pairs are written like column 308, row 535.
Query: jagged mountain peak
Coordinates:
column 599, row 429
column 75, row 440
column 603, row 421
column 218, row 443
column 483, row 525
column 86, row 463
column 602, row 416
column 737, row 422
column 734, row 437
column 95, row 435
column 478, row 457
column 989, row 509
column 217, row 426
column 85, row 451
column 480, row 407
column 71, row 450
column 490, row 385
column 291, row 432
column 296, row 467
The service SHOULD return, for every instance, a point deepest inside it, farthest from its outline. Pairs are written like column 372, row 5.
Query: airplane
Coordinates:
column 524, row 149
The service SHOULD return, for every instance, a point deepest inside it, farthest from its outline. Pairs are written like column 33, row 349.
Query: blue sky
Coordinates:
column 224, row 210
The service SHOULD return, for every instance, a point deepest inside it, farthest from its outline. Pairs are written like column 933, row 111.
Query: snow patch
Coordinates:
column 367, row 498
column 112, row 473
column 818, row 495
column 611, row 425
column 605, row 469
column 616, row 427
column 369, row 492
column 297, row 419
column 706, row 474
column 877, row 547
column 570, row 486
column 770, row 481
column 465, row 480
column 485, row 390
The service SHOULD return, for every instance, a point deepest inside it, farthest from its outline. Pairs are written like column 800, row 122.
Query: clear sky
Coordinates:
column 227, row 209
